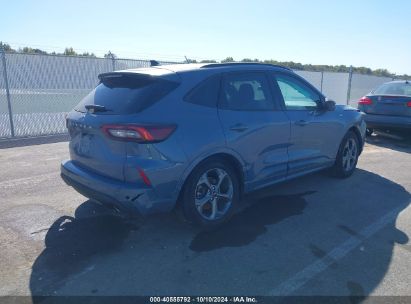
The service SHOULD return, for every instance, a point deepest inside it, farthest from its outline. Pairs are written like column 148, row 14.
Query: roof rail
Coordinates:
column 216, row 65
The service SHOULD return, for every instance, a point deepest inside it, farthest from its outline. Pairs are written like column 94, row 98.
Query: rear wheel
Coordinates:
column 347, row 156
column 210, row 194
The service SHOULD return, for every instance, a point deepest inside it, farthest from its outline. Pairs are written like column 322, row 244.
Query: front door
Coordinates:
column 313, row 130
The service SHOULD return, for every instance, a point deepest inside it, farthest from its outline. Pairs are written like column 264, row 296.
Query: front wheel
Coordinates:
column 347, row 156
column 210, row 194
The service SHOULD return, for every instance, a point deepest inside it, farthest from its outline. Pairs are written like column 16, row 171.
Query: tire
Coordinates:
column 369, row 131
column 210, row 194
column 347, row 156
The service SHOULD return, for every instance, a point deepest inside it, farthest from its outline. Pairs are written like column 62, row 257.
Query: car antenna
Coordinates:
column 154, row 63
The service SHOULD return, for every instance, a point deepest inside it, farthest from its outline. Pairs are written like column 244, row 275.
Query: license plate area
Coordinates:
column 84, row 145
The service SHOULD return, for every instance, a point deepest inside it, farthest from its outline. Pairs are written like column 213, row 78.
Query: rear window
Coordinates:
column 399, row 88
column 126, row 94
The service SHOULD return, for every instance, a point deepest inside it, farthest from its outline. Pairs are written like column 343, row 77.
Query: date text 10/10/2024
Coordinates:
column 240, row 299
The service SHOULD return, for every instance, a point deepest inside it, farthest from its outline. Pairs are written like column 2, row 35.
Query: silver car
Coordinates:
column 198, row 136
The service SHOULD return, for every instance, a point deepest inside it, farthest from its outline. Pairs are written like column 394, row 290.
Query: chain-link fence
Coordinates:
column 43, row 88
column 37, row 90
column 333, row 85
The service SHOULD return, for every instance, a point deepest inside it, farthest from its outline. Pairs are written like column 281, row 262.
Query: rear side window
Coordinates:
column 247, row 91
column 399, row 88
column 205, row 93
column 126, row 94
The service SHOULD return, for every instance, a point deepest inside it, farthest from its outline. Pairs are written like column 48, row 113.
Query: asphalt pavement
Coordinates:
column 315, row 235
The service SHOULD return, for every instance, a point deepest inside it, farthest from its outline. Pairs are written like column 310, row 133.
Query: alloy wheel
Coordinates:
column 349, row 156
column 214, row 194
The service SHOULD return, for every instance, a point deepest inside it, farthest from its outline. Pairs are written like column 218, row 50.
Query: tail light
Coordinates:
column 409, row 104
column 365, row 101
column 138, row 133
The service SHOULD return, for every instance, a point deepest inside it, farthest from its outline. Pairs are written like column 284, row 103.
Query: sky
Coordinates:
column 371, row 33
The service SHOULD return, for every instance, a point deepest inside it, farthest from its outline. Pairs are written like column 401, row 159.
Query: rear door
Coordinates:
column 254, row 126
column 118, row 99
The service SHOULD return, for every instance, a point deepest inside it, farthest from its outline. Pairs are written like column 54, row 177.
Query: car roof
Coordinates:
column 162, row 70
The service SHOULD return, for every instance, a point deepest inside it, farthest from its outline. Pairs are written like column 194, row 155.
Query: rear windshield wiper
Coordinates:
column 96, row 108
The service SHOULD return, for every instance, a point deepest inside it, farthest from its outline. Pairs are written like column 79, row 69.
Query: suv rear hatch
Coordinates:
column 116, row 101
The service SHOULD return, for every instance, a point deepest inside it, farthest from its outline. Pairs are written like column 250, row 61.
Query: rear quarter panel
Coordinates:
column 197, row 136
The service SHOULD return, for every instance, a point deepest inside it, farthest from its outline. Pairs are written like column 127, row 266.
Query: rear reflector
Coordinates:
column 144, row 177
column 365, row 101
column 143, row 134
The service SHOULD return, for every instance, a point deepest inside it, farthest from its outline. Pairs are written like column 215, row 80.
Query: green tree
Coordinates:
column 30, row 50
column 110, row 55
column 87, row 54
column 6, row 47
column 228, row 59
column 208, row 61
column 250, row 60
column 383, row 73
column 69, row 52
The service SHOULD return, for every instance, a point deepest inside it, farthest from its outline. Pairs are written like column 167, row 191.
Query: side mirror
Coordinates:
column 328, row 105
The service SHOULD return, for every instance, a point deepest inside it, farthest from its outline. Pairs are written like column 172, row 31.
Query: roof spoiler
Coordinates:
column 121, row 74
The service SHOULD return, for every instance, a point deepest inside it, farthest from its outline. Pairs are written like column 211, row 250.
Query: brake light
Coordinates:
column 365, row 101
column 144, row 134
column 409, row 104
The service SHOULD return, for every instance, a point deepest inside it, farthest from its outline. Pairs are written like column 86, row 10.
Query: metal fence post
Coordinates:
column 322, row 79
column 6, row 82
column 113, row 61
column 349, row 85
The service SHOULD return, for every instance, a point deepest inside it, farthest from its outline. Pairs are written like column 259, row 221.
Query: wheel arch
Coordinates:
column 357, row 133
column 226, row 157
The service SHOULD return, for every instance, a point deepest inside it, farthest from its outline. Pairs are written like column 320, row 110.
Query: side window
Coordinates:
column 296, row 94
column 205, row 93
column 246, row 91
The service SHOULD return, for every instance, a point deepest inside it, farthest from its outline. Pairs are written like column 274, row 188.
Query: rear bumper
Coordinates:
column 125, row 196
column 386, row 121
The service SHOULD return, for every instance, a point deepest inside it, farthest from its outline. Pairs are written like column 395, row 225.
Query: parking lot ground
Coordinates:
column 315, row 235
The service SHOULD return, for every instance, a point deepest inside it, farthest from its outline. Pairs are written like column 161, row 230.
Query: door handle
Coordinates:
column 238, row 127
column 301, row 122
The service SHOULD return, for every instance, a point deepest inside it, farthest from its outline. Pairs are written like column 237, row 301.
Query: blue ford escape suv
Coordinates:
column 199, row 136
